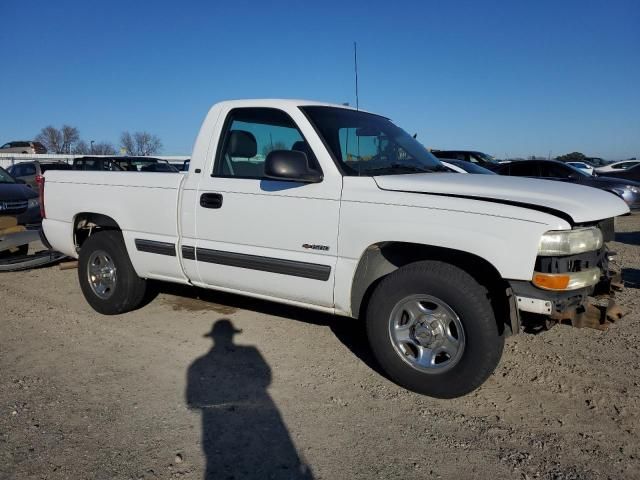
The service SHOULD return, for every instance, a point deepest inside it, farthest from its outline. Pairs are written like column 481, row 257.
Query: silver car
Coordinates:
column 23, row 147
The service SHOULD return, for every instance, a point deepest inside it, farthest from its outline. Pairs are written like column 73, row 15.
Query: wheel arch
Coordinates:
column 383, row 258
column 86, row 223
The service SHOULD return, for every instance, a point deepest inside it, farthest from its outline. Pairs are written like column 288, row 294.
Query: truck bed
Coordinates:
column 144, row 204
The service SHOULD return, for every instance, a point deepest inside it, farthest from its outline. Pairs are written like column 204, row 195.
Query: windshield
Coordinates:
column 5, row 177
column 486, row 157
column 471, row 167
column 365, row 144
column 582, row 173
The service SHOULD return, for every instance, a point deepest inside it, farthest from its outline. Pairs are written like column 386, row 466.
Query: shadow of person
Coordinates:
column 350, row 332
column 243, row 434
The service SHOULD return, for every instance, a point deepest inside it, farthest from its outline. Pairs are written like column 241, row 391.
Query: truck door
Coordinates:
column 260, row 236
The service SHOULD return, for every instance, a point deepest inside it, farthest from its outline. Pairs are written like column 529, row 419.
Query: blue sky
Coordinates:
column 509, row 78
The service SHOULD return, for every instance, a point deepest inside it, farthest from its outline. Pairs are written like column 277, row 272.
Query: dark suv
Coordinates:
column 96, row 163
column 128, row 164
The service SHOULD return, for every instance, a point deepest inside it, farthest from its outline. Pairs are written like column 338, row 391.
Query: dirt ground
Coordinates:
column 145, row 396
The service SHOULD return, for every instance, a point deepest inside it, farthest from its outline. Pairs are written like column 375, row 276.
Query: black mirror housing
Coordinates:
column 290, row 166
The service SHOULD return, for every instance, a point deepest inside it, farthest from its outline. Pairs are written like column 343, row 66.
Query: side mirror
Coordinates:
column 290, row 166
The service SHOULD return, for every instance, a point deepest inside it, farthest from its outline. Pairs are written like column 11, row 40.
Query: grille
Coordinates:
column 13, row 207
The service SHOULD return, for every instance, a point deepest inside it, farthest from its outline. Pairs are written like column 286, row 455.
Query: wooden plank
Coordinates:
column 6, row 222
column 69, row 265
column 14, row 229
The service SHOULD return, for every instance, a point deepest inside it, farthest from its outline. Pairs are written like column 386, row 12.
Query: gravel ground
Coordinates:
column 144, row 395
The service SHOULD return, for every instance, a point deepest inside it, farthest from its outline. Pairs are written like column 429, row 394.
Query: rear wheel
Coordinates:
column 107, row 277
column 433, row 330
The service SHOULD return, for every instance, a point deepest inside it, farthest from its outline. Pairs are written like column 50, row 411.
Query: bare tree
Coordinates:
column 103, row 148
column 51, row 138
column 127, row 143
column 64, row 140
column 70, row 137
column 140, row 143
column 100, row 148
column 81, row 148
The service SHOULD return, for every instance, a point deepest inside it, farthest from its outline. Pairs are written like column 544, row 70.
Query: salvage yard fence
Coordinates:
column 8, row 159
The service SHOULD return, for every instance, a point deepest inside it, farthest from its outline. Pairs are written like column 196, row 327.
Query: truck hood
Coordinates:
column 581, row 204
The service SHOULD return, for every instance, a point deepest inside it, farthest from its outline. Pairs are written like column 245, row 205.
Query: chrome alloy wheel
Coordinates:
column 102, row 274
column 426, row 333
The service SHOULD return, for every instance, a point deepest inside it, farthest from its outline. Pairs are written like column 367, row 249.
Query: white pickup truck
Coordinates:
column 334, row 209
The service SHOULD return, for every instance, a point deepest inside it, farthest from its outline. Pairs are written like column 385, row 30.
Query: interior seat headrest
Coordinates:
column 242, row 144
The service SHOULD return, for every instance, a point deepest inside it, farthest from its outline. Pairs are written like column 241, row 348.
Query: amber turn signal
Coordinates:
column 566, row 281
column 550, row 281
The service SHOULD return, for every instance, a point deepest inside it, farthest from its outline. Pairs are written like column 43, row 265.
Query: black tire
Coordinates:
column 483, row 341
column 128, row 291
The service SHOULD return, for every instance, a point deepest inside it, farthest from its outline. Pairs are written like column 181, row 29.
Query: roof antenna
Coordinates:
column 355, row 64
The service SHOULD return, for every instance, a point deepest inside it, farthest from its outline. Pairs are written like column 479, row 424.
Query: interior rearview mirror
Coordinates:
column 367, row 132
column 291, row 166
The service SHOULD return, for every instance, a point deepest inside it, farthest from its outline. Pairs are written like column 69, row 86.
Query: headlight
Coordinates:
column 633, row 189
column 33, row 203
column 570, row 242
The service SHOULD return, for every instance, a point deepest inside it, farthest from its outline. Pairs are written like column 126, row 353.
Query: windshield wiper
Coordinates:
column 399, row 168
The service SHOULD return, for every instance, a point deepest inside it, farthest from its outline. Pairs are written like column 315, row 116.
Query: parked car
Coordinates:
column 627, row 190
column 31, row 172
column 583, row 166
column 18, row 200
column 627, row 174
column 462, row 166
column 617, row 166
column 479, row 158
column 144, row 164
column 597, row 162
column 96, row 163
column 23, row 147
column 350, row 216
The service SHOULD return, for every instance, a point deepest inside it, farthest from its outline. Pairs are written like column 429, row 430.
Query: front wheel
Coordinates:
column 433, row 330
column 107, row 278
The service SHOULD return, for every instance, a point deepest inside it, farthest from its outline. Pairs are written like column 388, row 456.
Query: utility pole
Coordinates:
column 355, row 64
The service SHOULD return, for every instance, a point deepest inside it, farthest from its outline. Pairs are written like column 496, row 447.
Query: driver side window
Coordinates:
column 250, row 135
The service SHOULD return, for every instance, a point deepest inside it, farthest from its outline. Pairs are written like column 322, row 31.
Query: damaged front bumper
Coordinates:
column 592, row 306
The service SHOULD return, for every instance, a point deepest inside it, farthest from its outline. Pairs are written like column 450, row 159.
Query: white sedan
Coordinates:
column 618, row 166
